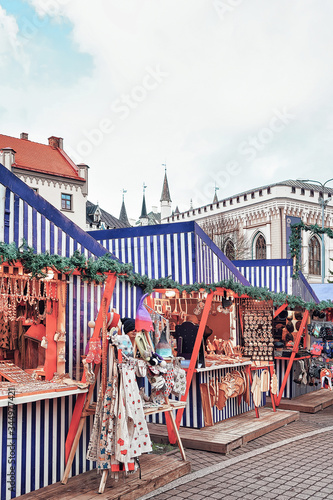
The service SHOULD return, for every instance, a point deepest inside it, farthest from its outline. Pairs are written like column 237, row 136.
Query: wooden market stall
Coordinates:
column 41, row 421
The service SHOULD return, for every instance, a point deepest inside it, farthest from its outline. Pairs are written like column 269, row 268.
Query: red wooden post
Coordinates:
column 280, row 309
column 107, row 295
column 193, row 361
column 50, row 365
column 292, row 357
column 273, row 396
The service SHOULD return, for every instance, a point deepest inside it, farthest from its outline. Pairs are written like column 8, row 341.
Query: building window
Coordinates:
column 314, row 256
column 229, row 250
column 66, row 201
column 252, row 195
column 260, row 250
column 311, row 192
column 224, row 203
column 245, row 197
column 260, row 192
column 230, row 201
column 293, row 189
column 302, row 191
column 268, row 190
column 237, row 199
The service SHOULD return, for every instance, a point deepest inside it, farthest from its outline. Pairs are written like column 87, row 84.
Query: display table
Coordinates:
column 193, row 414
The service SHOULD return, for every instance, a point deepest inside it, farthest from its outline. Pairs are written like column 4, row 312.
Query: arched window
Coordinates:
column 260, row 249
column 314, row 256
column 229, row 250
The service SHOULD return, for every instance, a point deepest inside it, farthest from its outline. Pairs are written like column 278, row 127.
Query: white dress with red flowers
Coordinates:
column 132, row 436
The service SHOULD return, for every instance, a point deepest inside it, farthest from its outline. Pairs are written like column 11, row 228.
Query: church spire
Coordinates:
column 215, row 199
column 123, row 214
column 144, row 208
column 165, row 196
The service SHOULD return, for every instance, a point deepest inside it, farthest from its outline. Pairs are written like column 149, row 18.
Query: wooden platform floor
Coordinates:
column 229, row 434
column 156, row 470
column 307, row 403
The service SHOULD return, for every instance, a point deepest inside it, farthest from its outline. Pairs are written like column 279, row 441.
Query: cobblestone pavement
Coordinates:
column 301, row 469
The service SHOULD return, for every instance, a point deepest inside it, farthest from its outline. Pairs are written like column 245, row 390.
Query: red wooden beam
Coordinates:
column 280, row 309
column 77, row 413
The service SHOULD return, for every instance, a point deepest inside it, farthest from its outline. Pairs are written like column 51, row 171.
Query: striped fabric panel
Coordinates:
column 210, row 268
column 40, row 433
column 157, row 255
column 277, row 278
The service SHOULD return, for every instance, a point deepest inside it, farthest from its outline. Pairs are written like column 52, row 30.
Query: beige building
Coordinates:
column 48, row 170
column 255, row 224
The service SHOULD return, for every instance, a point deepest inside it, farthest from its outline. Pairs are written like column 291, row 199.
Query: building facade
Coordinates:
column 48, row 170
column 256, row 224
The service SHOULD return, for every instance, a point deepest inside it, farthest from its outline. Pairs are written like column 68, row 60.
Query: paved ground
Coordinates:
column 293, row 462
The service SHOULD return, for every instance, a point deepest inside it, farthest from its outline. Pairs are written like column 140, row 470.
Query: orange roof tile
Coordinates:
column 41, row 158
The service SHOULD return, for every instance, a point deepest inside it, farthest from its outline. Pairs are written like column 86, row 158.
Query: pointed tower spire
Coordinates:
column 144, row 215
column 165, row 197
column 215, row 199
column 123, row 214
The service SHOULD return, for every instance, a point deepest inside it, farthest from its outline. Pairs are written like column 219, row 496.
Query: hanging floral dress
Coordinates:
column 132, row 436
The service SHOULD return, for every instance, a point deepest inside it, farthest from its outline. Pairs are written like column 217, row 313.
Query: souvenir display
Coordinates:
column 257, row 330
column 120, row 433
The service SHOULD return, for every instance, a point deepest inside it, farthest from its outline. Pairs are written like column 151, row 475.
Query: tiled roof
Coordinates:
column 289, row 182
column 110, row 222
column 41, row 158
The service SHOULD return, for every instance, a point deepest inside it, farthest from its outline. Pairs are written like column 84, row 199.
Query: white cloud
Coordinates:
column 10, row 45
column 225, row 78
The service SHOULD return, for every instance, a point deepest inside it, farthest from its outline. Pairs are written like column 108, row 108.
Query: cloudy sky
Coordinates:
column 232, row 92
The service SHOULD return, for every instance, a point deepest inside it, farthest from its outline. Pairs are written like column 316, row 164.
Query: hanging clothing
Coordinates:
column 265, row 381
column 93, row 451
column 132, row 436
column 256, row 390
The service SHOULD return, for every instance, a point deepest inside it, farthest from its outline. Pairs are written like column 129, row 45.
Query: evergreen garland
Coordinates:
column 97, row 269
column 295, row 241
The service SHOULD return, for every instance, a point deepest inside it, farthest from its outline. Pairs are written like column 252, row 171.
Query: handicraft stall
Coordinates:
column 35, row 420
column 303, row 350
column 32, row 333
column 120, row 434
column 212, row 332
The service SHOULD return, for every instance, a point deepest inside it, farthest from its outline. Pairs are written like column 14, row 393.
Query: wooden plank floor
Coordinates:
column 229, row 434
column 156, row 470
column 307, row 403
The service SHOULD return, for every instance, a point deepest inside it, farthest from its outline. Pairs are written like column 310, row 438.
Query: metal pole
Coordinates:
column 322, row 240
